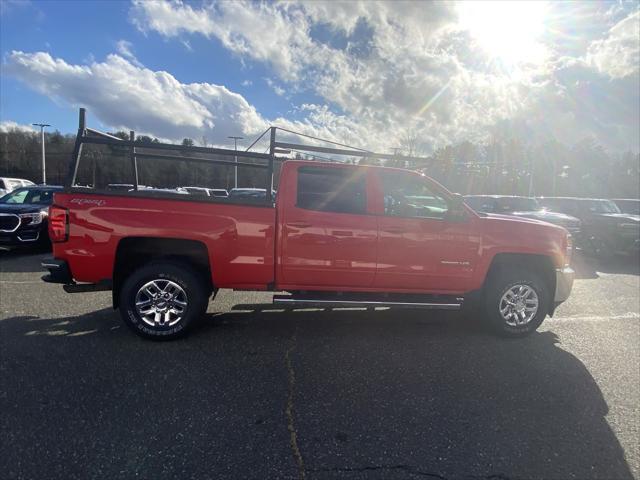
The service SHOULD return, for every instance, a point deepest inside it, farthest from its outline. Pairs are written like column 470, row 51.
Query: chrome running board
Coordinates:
column 450, row 303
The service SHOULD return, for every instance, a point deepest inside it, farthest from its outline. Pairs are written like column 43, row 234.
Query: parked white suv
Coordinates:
column 9, row 184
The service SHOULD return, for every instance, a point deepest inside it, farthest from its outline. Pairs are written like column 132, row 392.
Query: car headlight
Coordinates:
column 34, row 218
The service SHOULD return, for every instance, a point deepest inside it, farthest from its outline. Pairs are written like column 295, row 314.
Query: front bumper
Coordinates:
column 20, row 237
column 564, row 284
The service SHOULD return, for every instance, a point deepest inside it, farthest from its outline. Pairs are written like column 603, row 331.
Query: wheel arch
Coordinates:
column 543, row 265
column 134, row 252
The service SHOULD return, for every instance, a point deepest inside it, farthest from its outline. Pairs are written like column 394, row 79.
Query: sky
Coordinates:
column 369, row 74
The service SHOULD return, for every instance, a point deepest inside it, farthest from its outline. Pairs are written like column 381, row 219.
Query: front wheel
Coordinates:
column 160, row 300
column 517, row 302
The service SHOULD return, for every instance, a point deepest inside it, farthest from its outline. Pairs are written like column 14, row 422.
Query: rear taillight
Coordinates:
column 58, row 224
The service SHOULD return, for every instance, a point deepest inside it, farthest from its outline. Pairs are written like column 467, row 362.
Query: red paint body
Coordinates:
column 289, row 248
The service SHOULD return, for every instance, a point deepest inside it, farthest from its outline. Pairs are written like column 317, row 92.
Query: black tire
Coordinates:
column 192, row 286
column 599, row 249
column 498, row 285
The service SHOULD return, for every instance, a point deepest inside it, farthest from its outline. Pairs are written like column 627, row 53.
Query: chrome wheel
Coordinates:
column 519, row 305
column 161, row 303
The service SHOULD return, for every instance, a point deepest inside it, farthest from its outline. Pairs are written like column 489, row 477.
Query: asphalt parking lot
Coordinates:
column 318, row 394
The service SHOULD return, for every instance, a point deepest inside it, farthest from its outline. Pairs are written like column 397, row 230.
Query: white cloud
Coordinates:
column 258, row 31
column 391, row 75
column 376, row 70
column 124, row 95
column 125, row 49
column 10, row 125
column 618, row 55
column 277, row 89
column 397, row 66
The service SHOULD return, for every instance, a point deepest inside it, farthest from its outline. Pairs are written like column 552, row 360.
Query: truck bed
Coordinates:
column 239, row 239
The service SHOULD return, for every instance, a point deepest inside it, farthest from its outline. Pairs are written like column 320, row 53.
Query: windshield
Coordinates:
column 28, row 196
column 629, row 206
column 602, row 206
column 517, row 204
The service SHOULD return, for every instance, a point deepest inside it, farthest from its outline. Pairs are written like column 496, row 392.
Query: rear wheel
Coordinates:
column 161, row 300
column 517, row 302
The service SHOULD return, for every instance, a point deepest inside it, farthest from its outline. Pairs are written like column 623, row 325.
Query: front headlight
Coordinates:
column 32, row 218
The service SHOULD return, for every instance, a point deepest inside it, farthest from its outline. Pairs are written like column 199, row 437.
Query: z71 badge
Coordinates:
column 89, row 201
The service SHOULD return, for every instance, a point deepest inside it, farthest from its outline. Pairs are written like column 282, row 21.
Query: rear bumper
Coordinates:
column 564, row 284
column 59, row 271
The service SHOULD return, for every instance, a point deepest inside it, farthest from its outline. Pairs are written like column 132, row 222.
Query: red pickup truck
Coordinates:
column 335, row 235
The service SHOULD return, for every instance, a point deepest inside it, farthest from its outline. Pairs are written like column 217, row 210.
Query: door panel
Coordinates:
column 425, row 254
column 328, row 249
column 323, row 242
column 419, row 247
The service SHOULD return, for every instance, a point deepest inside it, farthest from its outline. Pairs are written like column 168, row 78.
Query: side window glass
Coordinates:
column 332, row 190
column 407, row 195
column 18, row 197
column 486, row 206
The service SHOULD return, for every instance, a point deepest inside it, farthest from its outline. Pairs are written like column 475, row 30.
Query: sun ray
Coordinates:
column 433, row 98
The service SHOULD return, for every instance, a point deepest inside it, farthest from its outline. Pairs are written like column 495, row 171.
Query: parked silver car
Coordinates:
column 9, row 184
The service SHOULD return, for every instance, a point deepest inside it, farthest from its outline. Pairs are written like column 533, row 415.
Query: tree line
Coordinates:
column 509, row 166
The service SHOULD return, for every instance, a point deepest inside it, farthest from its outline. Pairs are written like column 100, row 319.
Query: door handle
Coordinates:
column 342, row 233
column 393, row 230
column 298, row 224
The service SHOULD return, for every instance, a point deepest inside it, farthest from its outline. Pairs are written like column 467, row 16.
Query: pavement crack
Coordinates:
column 289, row 410
column 405, row 468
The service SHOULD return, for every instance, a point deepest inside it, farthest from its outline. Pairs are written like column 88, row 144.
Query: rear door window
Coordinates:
column 339, row 190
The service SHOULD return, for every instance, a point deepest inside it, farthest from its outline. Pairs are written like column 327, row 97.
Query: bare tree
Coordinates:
column 409, row 143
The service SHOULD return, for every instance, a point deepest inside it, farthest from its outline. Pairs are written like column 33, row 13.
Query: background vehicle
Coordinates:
column 9, row 184
column 197, row 191
column 122, row 187
column 207, row 192
column 526, row 207
column 606, row 230
column 174, row 191
column 240, row 193
column 338, row 234
column 218, row 192
column 23, row 216
column 630, row 206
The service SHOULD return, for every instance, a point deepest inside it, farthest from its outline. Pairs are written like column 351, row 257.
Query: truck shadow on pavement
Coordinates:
column 302, row 394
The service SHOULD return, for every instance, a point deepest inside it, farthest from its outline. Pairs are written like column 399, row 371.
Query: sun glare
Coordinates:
column 509, row 31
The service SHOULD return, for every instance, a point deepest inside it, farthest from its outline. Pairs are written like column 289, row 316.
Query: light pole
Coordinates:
column 396, row 160
column 44, row 172
column 235, row 159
